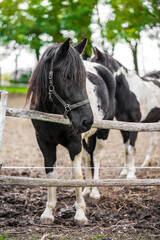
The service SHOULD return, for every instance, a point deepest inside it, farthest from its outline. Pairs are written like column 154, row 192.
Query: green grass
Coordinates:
column 22, row 90
column 6, row 237
column 98, row 237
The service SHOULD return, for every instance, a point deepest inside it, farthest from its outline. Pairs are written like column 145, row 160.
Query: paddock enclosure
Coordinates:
column 121, row 211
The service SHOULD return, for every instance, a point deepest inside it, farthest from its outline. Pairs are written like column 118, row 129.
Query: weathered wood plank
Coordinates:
column 33, row 182
column 3, row 106
column 105, row 124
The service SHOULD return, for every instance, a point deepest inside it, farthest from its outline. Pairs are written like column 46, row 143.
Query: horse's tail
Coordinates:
column 89, row 146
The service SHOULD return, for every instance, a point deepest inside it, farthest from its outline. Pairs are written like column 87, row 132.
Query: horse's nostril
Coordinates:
column 87, row 123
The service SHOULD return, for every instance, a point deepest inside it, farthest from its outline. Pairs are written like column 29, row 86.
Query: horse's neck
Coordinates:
column 47, row 106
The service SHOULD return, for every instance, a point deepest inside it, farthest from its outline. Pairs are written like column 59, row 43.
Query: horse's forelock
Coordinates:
column 71, row 67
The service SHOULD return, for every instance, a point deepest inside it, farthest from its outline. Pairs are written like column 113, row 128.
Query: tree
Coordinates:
column 39, row 22
column 128, row 20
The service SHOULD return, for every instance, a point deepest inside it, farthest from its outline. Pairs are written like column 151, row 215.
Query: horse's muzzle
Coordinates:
column 83, row 127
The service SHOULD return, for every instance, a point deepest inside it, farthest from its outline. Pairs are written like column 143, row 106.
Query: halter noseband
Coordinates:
column 67, row 107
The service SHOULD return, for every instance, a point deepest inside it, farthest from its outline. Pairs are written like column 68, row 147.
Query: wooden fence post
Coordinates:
column 3, row 106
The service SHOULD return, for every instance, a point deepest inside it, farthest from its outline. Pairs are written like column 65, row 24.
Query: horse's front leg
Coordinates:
column 125, row 136
column 97, row 156
column 77, row 174
column 132, row 152
column 87, row 169
column 49, row 153
column 100, row 142
column 48, row 214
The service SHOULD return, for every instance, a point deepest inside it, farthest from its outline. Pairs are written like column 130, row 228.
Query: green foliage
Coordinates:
column 24, row 78
column 130, row 18
column 39, row 22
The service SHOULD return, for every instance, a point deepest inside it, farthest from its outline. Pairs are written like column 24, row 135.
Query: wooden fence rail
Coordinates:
column 104, row 124
column 42, row 182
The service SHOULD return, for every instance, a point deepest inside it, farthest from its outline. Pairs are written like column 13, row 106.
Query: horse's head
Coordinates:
column 61, row 80
column 105, row 59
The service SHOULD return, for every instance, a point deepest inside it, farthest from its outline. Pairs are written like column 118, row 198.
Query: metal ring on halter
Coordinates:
column 67, row 110
column 51, row 88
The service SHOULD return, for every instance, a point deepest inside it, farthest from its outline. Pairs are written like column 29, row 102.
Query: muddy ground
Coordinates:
column 120, row 213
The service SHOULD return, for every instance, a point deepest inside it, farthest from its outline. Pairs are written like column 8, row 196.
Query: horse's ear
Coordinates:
column 63, row 49
column 81, row 46
column 99, row 55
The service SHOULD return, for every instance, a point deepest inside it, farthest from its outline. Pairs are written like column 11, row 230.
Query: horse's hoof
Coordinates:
column 146, row 164
column 123, row 173
column 131, row 176
column 47, row 216
column 95, row 194
column 86, row 191
column 81, row 222
column 80, row 218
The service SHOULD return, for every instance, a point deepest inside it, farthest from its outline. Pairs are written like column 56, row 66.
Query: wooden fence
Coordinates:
column 105, row 124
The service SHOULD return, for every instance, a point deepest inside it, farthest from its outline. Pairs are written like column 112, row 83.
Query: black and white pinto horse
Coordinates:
column 155, row 136
column 63, row 84
column 137, row 100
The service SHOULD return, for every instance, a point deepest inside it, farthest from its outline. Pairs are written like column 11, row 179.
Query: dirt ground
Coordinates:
column 120, row 213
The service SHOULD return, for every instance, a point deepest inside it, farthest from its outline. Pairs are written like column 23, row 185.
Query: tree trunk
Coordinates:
column 37, row 53
column 134, row 52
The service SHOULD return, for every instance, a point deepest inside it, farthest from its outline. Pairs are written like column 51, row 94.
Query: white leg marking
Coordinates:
column 131, row 170
column 48, row 214
column 154, row 139
column 87, row 165
column 124, row 172
column 97, row 156
column 80, row 203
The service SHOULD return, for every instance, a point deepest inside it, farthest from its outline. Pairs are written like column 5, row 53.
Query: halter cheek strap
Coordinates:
column 67, row 107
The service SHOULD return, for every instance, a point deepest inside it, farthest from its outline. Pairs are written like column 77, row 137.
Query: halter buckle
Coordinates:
column 51, row 88
column 50, row 74
column 67, row 109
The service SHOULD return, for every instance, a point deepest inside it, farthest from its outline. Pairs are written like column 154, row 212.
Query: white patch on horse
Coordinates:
column 95, row 106
column 117, row 74
column 90, row 66
column 147, row 93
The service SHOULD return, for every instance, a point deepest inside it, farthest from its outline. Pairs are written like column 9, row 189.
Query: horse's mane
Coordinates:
column 120, row 64
column 71, row 70
column 155, row 74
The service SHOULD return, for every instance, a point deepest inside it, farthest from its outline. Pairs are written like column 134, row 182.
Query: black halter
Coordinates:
column 67, row 107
